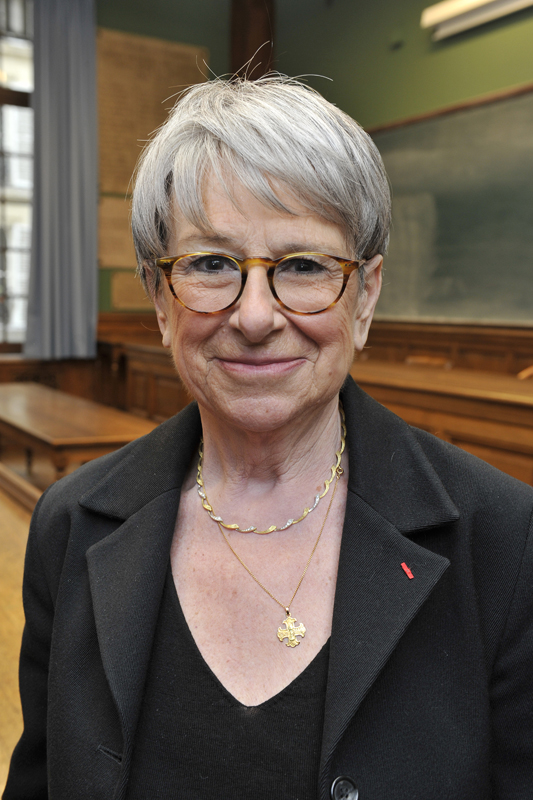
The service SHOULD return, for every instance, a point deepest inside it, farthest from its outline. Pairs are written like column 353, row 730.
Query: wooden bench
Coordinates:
column 64, row 428
column 486, row 413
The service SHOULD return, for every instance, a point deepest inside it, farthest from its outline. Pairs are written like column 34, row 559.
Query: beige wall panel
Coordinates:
column 137, row 75
column 127, row 293
column 115, row 244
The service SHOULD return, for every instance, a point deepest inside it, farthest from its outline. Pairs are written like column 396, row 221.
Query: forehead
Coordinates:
column 237, row 220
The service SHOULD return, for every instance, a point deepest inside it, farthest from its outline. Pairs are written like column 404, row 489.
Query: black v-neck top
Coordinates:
column 195, row 741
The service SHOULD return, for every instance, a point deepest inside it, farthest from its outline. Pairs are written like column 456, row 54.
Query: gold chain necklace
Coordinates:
column 273, row 528
column 291, row 631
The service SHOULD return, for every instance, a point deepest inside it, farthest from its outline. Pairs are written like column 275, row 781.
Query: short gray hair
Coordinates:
column 264, row 133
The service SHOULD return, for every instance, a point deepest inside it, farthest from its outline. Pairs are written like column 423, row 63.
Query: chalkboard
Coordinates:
column 462, row 241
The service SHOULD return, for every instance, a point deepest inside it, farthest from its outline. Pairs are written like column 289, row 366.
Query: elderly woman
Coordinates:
column 284, row 591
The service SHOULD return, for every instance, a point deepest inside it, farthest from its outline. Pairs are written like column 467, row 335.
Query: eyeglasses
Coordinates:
column 304, row 283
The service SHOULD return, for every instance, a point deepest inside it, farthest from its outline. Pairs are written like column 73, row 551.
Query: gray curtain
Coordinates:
column 63, row 289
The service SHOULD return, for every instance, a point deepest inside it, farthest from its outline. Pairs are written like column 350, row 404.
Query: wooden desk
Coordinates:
column 65, row 428
column 486, row 413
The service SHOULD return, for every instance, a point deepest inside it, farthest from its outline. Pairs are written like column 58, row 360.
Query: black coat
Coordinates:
column 430, row 688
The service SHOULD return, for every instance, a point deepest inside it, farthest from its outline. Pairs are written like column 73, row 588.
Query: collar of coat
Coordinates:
column 394, row 492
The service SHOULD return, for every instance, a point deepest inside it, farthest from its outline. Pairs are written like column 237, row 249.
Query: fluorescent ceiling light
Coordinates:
column 454, row 16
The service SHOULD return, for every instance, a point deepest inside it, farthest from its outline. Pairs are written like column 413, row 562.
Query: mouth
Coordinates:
column 264, row 365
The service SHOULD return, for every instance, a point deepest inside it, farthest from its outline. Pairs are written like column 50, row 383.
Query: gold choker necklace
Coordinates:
column 273, row 528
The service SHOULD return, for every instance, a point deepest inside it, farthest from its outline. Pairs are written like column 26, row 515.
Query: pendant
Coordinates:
column 290, row 632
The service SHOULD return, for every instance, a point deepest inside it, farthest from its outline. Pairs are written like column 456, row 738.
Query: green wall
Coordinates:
column 355, row 42
column 200, row 22
column 104, row 289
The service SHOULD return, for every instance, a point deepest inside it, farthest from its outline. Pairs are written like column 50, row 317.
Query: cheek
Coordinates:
column 194, row 338
column 333, row 336
column 186, row 342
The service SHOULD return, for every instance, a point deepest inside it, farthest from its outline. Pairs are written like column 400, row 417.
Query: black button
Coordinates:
column 343, row 789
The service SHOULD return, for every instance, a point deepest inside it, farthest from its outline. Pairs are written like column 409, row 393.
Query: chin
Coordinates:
column 261, row 413
column 258, row 414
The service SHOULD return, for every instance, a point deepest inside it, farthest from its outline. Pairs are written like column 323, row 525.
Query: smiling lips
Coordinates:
column 264, row 366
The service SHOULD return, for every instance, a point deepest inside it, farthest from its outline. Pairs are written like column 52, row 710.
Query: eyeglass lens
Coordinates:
column 209, row 283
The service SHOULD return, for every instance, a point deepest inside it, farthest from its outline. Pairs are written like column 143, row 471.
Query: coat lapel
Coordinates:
column 127, row 573
column 375, row 601
column 393, row 492
column 127, row 568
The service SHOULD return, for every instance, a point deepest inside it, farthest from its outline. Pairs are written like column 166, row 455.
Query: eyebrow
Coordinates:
column 215, row 240
column 298, row 247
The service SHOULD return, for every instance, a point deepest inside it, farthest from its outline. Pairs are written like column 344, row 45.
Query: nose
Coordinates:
column 257, row 313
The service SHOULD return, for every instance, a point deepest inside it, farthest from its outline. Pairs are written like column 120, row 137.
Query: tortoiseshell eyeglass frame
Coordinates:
column 166, row 265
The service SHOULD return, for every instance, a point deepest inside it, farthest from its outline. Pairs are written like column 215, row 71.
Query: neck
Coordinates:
column 263, row 477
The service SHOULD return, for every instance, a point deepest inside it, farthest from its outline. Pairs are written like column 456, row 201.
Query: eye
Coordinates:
column 302, row 266
column 212, row 264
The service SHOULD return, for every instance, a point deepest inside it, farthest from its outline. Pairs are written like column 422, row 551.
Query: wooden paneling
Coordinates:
column 487, row 414
column 514, row 464
column 114, row 332
column 486, row 348
column 10, row 347
column 137, row 79
column 124, row 327
column 73, row 376
column 115, row 243
column 154, row 389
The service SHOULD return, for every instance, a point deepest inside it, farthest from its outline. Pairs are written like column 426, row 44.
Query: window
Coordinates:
column 16, row 165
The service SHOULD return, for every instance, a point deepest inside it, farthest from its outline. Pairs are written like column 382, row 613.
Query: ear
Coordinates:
column 368, row 300
column 160, row 302
column 163, row 318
